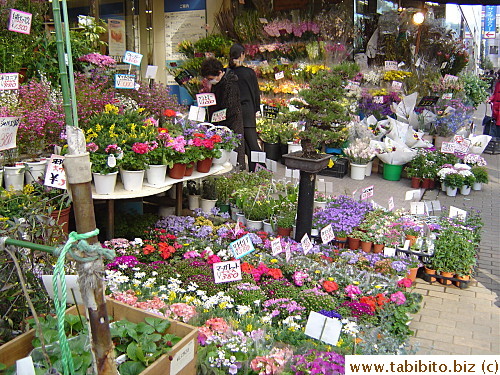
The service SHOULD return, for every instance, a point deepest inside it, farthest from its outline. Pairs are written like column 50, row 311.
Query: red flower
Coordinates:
column 330, row 286
column 140, row 148
column 162, row 130
column 246, row 267
column 169, row 113
column 381, row 299
column 148, row 249
column 275, row 273
column 370, row 302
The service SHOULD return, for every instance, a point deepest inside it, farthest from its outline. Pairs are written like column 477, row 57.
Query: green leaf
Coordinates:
column 131, row 368
column 131, row 351
column 153, row 337
column 145, row 328
column 161, row 325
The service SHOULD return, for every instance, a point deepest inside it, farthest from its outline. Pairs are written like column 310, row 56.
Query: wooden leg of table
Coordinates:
column 111, row 219
column 178, row 198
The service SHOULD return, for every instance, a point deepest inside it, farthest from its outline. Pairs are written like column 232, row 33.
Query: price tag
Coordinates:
column 396, row 85
column 19, row 21
column 391, row 203
column 391, row 65
column 378, row 99
column 450, row 78
column 448, row 147
column 206, row 99
column 279, row 75
column 219, row 115
column 225, row 272
column 9, row 81
column 306, row 243
column 276, row 246
column 263, row 20
column 443, row 65
column 327, row 234
column 427, row 101
column 241, row 246
column 8, row 132
column 457, row 212
column 270, row 111
column 55, row 175
column 447, row 96
column 111, row 161
column 389, row 251
column 151, row 71
column 463, row 147
column 124, row 81
column 197, row 113
column 367, row 193
column 132, row 58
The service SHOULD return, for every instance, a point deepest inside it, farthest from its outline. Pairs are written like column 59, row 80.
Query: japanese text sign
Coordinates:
column 227, row 271
column 219, row 115
column 306, row 243
column 9, row 81
column 132, row 58
column 8, row 132
column 391, row 65
column 241, row 246
column 55, row 175
column 19, row 21
column 276, row 247
column 327, row 234
column 124, row 81
column 206, row 99
column 367, row 193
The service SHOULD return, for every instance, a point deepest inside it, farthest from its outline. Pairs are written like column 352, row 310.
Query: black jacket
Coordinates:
column 249, row 94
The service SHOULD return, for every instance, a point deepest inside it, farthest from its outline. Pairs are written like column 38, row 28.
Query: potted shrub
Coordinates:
column 208, row 194
column 223, row 186
column 453, row 181
column 469, row 180
column 481, row 176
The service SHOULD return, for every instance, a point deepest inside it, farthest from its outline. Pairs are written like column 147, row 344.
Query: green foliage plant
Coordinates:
column 476, row 90
column 454, row 180
column 481, row 174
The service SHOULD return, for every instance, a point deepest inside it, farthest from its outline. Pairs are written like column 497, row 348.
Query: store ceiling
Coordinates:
column 468, row 2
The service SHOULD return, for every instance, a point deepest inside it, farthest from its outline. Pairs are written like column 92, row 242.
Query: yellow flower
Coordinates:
column 140, row 110
column 340, row 342
column 110, row 108
column 317, row 271
column 172, row 295
column 98, row 127
column 330, row 279
column 291, row 329
column 355, row 282
column 274, row 260
column 378, row 286
column 222, row 305
column 28, row 189
column 249, row 328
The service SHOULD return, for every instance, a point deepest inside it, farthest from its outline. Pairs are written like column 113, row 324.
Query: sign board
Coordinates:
column 427, row 101
column 124, row 81
column 448, row 147
column 367, row 193
column 9, row 81
column 132, row 58
column 270, row 112
column 457, row 212
column 327, row 234
column 116, row 37
column 219, row 116
column 183, row 77
column 55, row 175
column 241, row 246
column 197, row 113
column 206, row 99
column 227, row 271
column 396, row 85
column 306, row 243
column 151, row 71
column 391, row 65
column 450, row 78
column 323, row 328
column 8, row 132
column 276, row 247
column 378, row 99
column 279, row 75
column 19, row 21
column 490, row 24
column 447, row 96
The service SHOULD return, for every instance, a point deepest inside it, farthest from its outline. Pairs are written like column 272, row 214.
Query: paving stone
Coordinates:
column 435, row 336
column 444, row 295
column 452, row 348
column 478, row 344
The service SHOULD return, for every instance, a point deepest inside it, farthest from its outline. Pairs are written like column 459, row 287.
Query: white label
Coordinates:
column 396, row 85
column 219, row 115
column 288, row 253
column 55, row 175
column 8, row 132
column 111, row 161
column 254, row 156
column 132, row 58
column 443, row 65
column 458, row 213
column 378, row 99
column 327, row 234
column 263, row 20
column 19, row 21
column 9, row 81
column 367, row 193
column 447, row 96
column 406, row 245
column 237, row 227
column 450, row 78
column 227, row 271
column 261, row 157
column 279, row 75
column 197, row 113
column 25, row 366
column 412, row 194
column 448, row 147
column 151, row 71
column 391, row 204
column 417, row 208
column 323, row 328
column 351, row 85
column 241, row 246
column 306, row 243
column 391, row 65
column 276, row 247
column 182, row 358
column 233, row 158
column 296, row 173
column 206, row 99
column 389, row 251
column 463, row 147
column 124, row 81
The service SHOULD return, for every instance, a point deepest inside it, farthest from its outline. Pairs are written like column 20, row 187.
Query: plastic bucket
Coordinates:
column 392, row 172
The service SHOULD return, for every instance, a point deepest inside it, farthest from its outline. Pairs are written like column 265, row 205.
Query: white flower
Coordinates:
column 242, row 309
column 137, row 241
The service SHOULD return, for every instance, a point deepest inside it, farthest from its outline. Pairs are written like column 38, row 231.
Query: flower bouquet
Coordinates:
column 360, row 152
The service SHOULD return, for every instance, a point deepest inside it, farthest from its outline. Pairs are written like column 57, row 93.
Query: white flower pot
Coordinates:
column 240, row 216
column 206, row 205
column 224, row 157
column 477, row 186
column 451, row 192
column 267, row 226
column 368, row 170
column 292, row 147
column 132, row 180
column 156, row 174
column 254, row 224
column 1, row 176
column 14, row 179
column 317, row 204
column 36, row 170
column 193, row 202
column 358, row 171
column 465, row 190
column 234, row 211
column 443, row 186
column 105, row 183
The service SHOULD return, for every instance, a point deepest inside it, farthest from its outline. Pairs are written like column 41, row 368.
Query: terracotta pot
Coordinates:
column 445, row 274
column 426, row 183
column 353, row 243
column 284, row 232
column 177, row 171
column 430, row 271
column 412, row 274
column 464, row 278
column 62, row 218
column 378, row 248
column 412, row 239
column 415, row 182
column 203, row 166
column 189, row 169
column 366, row 246
column 341, row 242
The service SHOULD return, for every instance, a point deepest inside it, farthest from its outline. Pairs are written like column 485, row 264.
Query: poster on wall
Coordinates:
column 116, row 31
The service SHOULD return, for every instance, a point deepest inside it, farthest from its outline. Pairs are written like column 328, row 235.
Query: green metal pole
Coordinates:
column 30, row 245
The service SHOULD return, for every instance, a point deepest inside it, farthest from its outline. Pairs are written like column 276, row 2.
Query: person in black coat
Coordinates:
column 224, row 84
column 249, row 97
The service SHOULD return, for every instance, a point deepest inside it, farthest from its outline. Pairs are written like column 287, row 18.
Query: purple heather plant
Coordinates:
column 317, row 362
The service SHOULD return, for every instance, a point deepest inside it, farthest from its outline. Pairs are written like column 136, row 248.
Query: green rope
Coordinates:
column 60, row 303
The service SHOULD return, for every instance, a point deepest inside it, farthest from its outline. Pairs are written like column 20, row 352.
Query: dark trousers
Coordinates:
column 490, row 127
column 251, row 144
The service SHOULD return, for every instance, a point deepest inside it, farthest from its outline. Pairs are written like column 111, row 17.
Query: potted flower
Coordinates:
column 132, row 166
column 469, row 180
column 359, row 154
column 269, row 133
column 58, row 202
column 256, row 209
column 206, row 144
column 320, row 199
column 208, row 194
column 229, row 142
column 224, row 188
column 453, row 181
column 285, row 220
column 156, row 171
column 481, row 176
column 104, row 166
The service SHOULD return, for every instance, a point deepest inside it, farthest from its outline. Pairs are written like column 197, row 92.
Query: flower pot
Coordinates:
column 223, row 158
column 234, row 211
column 36, row 170
column 477, row 186
column 353, row 243
column 156, row 174
column 223, row 207
column 416, row 182
column 283, row 151
column 267, row 227
column 273, row 151
column 254, row 224
column 1, row 176
column 293, row 147
column 430, row 271
column 283, row 232
column 445, row 281
column 427, row 183
column 465, row 190
column 177, row 171
column 62, row 218
column 428, row 138
column 366, row 246
column 451, row 192
column 193, row 202
column 443, row 186
column 206, row 205
column 412, row 274
column 189, row 170
column 13, row 177
column 296, row 161
column 105, row 183
column 240, row 216
column 378, row 248
column 317, row 204
column 358, row 171
column 464, row 278
column 411, row 238
column 368, row 170
column 203, row 166
column 341, row 242
column 392, row 172
column 132, row 180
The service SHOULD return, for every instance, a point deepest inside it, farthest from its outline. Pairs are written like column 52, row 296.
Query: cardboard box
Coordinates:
column 183, row 354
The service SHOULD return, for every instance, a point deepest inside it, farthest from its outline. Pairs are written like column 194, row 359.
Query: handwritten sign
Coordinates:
column 197, row 113
column 391, row 65
column 427, row 101
column 206, row 99
column 241, row 246
column 225, row 272
column 55, row 175
column 19, row 21
column 9, row 81
column 396, row 85
column 279, row 75
column 132, row 58
column 124, row 81
column 321, row 327
column 270, row 111
column 306, row 243
column 183, row 77
column 327, row 234
column 457, row 212
column 450, row 78
column 219, row 116
column 276, row 247
column 182, row 358
column 448, row 147
column 8, row 132
column 463, row 147
column 378, row 99
column 351, row 85
column 447, row 96
column 367, row 193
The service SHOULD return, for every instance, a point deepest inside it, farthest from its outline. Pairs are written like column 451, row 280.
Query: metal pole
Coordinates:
column 30, row 245
column 305, row 204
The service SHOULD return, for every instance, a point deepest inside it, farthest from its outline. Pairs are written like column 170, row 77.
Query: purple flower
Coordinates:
column 352, row 290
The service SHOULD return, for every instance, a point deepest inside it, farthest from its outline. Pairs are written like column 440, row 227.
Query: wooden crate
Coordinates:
column 183, row 354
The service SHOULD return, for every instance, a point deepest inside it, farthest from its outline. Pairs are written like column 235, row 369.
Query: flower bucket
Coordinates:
column 465, row 190
column 476, row 186
column 36, row 170
column 451, row 192
column 267, row 226
column 368, row 170
column 14, row 179
column 358, row 171
column 105, row 183
column 193, row 202
column 203, row 166
column 273, row 151
column 177, row 171
column 224, row 157
column 240, row 216
column 254, row 224
column 206, row 205
column 416, row 182
column 318, row 204
column 284, row 232
column 132, row 180
column 156, row 174
column 392, row 172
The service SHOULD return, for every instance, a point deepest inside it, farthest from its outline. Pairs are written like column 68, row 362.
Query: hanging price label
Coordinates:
column 206, row 99
column 367, row 193
column 19, row 21
column 391, row 203
column 276, row 247
column 8, row 132
column 9, row 81
column 279, row 75
column 306, row 243
column 124, row 81
column 219, row 116
column 132, row 58
column 241, row 246
column 55, row 175
column 327, row 234
column 227, row 271
column 111, row 161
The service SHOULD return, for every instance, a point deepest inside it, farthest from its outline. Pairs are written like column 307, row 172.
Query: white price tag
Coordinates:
column 276, row 247
column 206, row 99
column 457, row 212
column 241, row 246
column 279, row 75
column 124, row 81
column 367, row 193
column 197, row 113
column 55, row 175
column 132, row 58
column 450, row 78
column 447, row 96
column 8, row 132
column 391, row 204
column 111, row 161
column 463, row 147
column 263, row 20
column 391, row 65
column 151, row 71
column 9, row 81
column 288, row 253
column 327, row 234
column 19, row 21
column 219, row 115
column 306, row 243
column 448, row 147
column 396, row 85
column 378, row 99
column 389, row 251
column 227, row 271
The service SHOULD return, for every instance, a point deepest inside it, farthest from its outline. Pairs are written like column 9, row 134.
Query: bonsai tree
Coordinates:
column 322, row 108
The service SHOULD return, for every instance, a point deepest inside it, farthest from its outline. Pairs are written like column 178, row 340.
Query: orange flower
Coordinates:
column 162, row 130
column 247, row 268
column 275, row 273
column 330, row 286
column 370, row 301
column 148, row 249
column 169, row 113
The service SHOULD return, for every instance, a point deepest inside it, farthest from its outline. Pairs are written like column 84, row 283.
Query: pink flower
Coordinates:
column 191, row 254
column 398, row 298
column 150, row 121
column 113, row 148
column 352, row 290
column 213, row 259
column 182, row 310
column 218, row 325
column 405, row 283
column 264, row 365
column 140, row 148
column 92, row 147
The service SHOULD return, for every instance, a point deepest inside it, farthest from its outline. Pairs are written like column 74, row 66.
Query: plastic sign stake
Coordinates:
column 241, row 246
column 227, row 271
column 306, row 244
column 19, row 22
